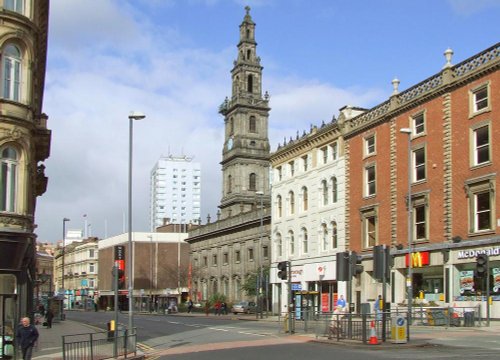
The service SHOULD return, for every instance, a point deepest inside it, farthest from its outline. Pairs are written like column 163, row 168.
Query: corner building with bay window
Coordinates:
column 24, row 145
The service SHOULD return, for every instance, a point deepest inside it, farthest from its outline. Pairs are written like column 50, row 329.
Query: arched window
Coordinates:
column 237, row 288
column 279, row 206
column 291, row 196
column 249, row 54
column 305, row 199
column 305, row 241
column 292, row 242
column 279, row 245
column 334, row 235
column 229, row 184
column 11, row 73
column 324, row 186
column 334, row 189
column 252, row 182
column 250, row 83
column 324, row 236
column 248, row 34
column 8, row 179
column 252, row 124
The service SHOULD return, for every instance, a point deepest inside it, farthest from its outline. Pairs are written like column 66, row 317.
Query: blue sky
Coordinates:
column 171, row 59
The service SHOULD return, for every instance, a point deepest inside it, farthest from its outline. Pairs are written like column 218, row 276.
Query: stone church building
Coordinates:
column 225, row 252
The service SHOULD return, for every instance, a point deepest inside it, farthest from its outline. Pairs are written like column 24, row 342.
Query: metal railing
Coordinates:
column 358, row 327
column 99, row 345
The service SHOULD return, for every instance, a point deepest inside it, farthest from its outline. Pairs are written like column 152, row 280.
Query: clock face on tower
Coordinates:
column 230, row 143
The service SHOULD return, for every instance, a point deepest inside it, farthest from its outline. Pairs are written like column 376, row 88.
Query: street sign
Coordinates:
column 296, row 287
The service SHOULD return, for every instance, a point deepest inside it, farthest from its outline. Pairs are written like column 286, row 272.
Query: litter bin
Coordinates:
column 469, row 318
column 398, row 330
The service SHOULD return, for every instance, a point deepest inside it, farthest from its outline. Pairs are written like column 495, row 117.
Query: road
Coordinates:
column 179, row 337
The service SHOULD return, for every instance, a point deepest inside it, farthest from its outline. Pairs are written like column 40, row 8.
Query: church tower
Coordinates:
column 245, row 156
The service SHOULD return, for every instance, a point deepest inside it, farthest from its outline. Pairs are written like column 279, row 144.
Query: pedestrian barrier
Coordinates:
column 97, row 345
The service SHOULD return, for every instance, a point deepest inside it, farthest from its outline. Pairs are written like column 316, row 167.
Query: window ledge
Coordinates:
column 480, row 166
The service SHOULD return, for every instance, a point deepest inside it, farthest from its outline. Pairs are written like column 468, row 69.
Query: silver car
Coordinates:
column 243, row 307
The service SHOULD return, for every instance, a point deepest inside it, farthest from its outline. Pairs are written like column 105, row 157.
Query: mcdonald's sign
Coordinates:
column 418, row 259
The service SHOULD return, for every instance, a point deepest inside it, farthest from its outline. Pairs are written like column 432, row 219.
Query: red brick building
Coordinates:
column 449, row 124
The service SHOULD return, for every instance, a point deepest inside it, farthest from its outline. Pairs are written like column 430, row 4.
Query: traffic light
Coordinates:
column 356, row 267
column 343, row 266
column 381, row 262
column 121, row 279
column 481, row 265
column 282, row 270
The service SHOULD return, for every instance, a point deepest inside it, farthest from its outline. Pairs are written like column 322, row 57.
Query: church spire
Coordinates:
column 245, row 155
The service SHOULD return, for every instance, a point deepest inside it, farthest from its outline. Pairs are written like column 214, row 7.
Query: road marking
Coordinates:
column 218, row 329
column 249, row 333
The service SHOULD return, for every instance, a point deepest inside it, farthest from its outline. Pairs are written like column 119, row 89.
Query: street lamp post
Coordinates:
column 261, row 282
column 409, row 280
column 132, row 116
column 62, row 267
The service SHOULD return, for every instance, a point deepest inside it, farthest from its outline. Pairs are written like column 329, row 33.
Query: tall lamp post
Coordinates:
column 261, row 277
column 132, row 116
column 409, row 280
column 62, row 267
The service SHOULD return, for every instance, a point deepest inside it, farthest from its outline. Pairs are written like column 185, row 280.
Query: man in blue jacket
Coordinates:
column 26, row 337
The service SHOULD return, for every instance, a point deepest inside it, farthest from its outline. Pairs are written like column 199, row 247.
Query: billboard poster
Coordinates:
column 496, row 279
column 466, row 281
column 325, row 302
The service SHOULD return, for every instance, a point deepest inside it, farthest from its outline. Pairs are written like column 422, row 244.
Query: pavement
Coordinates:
column 50, row 341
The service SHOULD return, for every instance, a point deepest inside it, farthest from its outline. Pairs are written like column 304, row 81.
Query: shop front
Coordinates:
column 313, row 286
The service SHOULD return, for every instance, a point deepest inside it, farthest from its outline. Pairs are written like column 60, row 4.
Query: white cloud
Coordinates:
column 118, row 64
column 467, row 7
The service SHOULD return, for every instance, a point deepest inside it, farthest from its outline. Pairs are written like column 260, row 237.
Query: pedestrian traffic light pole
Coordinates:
column 115, row 286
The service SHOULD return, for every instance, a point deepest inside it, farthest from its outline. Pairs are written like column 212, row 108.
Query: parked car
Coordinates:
column 244, row 307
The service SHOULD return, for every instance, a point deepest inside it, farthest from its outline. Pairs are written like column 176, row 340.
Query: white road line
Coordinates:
column 218, row 329
column 249, row 333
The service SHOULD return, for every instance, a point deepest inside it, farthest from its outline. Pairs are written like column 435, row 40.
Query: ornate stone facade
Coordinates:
column 24, row 145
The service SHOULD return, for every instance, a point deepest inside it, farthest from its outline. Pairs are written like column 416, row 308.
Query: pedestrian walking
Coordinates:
column 49, row 315
column 190, row 306
column 26, row 336
column 223, row 308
